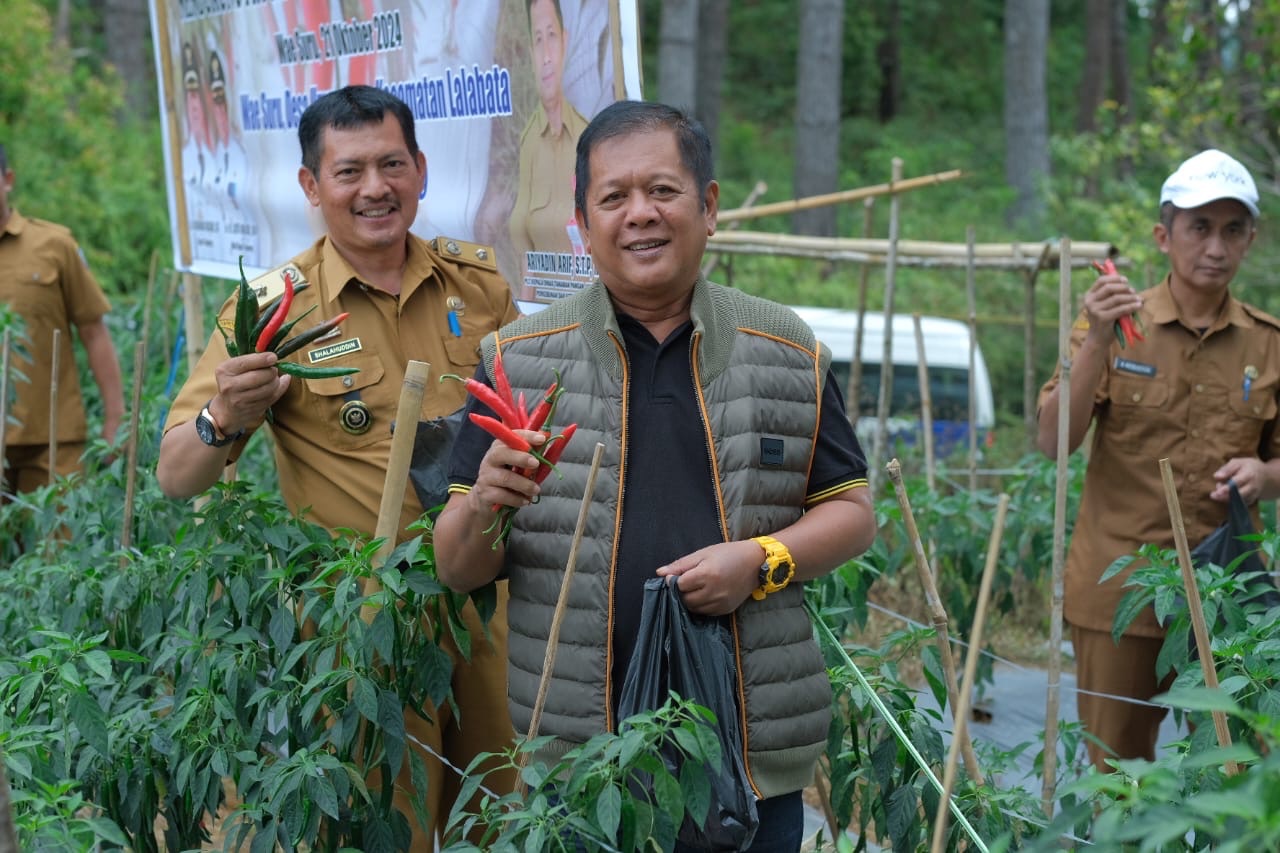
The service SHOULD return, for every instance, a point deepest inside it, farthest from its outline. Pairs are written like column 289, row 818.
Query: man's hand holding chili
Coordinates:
column 1110, row 298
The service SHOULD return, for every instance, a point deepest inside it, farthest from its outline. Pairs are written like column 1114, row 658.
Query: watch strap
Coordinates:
column 776, row 571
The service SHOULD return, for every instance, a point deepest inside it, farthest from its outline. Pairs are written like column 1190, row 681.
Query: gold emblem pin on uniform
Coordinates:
column 355, row 417
column 455, row 304
column 1251, row 371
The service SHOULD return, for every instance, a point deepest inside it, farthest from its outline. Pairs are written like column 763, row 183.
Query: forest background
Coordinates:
column 1064, row 116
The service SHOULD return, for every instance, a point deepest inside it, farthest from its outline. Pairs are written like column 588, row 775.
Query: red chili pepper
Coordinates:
column 277, row 319
column 501, row 384
column 554, row 452
column 543, row 410
column 500, row 431
column 1128, row 328
column 522, row 412
column 501, row 406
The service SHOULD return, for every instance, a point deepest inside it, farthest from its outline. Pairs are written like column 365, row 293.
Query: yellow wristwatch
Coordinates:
column 777, row 561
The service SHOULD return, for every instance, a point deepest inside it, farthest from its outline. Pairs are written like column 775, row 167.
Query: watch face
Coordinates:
column 204, row 428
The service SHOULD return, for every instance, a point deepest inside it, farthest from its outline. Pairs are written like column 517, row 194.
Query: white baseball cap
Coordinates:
column 1209, row 176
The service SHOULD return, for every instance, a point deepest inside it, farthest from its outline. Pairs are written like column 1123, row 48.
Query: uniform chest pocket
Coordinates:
column 354, row 410
column 1138, row 412
column 36, row 292
column 1246, row 419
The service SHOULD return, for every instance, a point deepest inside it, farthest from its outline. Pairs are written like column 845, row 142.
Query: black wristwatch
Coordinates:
column 208, row 430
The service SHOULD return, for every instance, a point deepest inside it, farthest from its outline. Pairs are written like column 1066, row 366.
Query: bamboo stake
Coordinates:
column 941, row 637
column 1029, row 339
column 886, row 359
column 150, row 297
column 562, row 603
column 970, row 294
column 898, row 185
column 193, row 314
column 970, row 670
column 4, row 401
column 387, row 528
column 1059, row 531
column 852, row 398
column 822, row 782
column 55, row 364
column 131, row 447
column 1203, row 647
column 171, row 291
column 709, row 265
column 926, row 406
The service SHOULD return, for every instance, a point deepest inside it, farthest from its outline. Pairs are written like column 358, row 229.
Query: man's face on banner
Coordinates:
column 367, row 186
column 548, row 49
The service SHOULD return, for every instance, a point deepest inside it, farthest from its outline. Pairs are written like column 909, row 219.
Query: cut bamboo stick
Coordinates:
column 926, row 405
column 709, row 265
column 893, row 188
column 881, row 439
column 970, row 294
column 131, row 447
column 1065, row 320
column 939, row 614
column 854, row 396
column 970, row 672
column 1192, row 589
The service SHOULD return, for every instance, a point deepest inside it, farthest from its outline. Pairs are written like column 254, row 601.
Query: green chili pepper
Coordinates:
column 278, row 338
column 308, row 372
column 319, row 330
column 246, row 313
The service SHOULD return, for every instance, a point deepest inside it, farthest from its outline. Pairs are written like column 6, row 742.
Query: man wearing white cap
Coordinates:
column 1182, row 371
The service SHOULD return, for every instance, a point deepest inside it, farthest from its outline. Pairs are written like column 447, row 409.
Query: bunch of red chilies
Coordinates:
column 1128, row 329
column 512, row 415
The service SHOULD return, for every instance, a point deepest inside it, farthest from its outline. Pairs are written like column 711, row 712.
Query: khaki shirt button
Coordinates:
column 347, row 382
column 1195, row 433
column 1137, row 395
column 1199, row 388
column 1191, row 477
column 1257, row 410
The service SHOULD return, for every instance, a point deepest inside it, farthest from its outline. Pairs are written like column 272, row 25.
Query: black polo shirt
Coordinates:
column 669, row 507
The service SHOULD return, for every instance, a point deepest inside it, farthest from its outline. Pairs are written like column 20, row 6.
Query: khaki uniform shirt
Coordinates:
column 334, row 469
column 1179, row 395
column 544, row 199
column 45, row 280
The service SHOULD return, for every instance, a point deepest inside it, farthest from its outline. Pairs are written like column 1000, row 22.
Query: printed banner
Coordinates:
column 501, row 89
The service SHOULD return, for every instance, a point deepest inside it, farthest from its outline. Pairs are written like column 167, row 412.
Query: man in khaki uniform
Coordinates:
column 45, row 280
column 407, row 299
column 542, row 219
column 1201, row 390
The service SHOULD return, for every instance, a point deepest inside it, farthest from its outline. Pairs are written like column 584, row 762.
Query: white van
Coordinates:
column 946, row 349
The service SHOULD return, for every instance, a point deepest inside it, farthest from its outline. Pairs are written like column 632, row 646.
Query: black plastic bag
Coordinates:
column 693, row 656
column 1224, row 545
column 428, row 467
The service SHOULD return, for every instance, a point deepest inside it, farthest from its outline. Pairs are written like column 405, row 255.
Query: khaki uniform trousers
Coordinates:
column 26, row 466
column 1128, row 668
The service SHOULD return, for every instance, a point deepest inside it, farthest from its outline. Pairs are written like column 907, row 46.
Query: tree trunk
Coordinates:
column 678, row 54
column 1119, row 58
column 1159, row 37
column 1209, row 61
column 1026, row 111
column 1097, row 63
column 889, row 60
column 817, row 146
column 713, row 33
column 126, row 25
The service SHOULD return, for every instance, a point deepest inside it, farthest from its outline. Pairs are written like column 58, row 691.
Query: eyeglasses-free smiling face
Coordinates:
column 366, row 186
column 646, row 220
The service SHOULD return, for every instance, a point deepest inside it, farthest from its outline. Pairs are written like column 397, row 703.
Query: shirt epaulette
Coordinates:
column 270, row 284
column 1260, row 315
column 462, row 252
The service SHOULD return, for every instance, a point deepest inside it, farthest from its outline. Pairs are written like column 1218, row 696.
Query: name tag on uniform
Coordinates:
column 350, row 345
column 1137, row 368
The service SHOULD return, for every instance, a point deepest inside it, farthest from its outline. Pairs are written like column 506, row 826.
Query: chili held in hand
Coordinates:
column 1128, row 328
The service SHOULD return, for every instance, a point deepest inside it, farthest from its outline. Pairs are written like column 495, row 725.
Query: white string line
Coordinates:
column 1025, row 670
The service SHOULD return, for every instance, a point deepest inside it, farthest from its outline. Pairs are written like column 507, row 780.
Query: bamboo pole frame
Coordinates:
column 971, row 302
column 709, row 265
column 1204, row 648
column 55, row 364
column 939, row 614
column 926, row 406
column 131, row 447
column 892, row 188
column 1029, row 384
column 1050, row 765
column 970, row 670
column 881, row 439
column 562, row 601
column 855, row 366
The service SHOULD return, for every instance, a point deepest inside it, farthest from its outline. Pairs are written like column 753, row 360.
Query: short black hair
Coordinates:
column 528, row 8
column 626, row 117
column 347, row 108
column 1169, row 211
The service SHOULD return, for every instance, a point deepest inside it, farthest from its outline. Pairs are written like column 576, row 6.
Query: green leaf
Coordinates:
column 609, row 810
column 321, row 792
column 365, row 698
column 282, row 628
column 100, row 662
column 1199, row 699
column 902, row 818
column 382, row 633
column 89, row 718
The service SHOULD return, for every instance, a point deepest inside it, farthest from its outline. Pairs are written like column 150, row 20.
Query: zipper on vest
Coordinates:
column 610, row 724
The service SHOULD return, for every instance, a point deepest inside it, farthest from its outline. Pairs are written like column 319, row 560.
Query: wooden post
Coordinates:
column 150, row 297
column 193, row 314
column 970, row 293
column 941, row 636
column 131, row 446
column 1029, row 384
column 1059, row 527
column 893, row 188
column 171, row 290
column 854, row 394
column 55, row 364
column 4, row 400
column 926, row 405
column 562, row 602
column 970, row 672
column 886, row 358
column 387, row 527
column 1204, row 646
